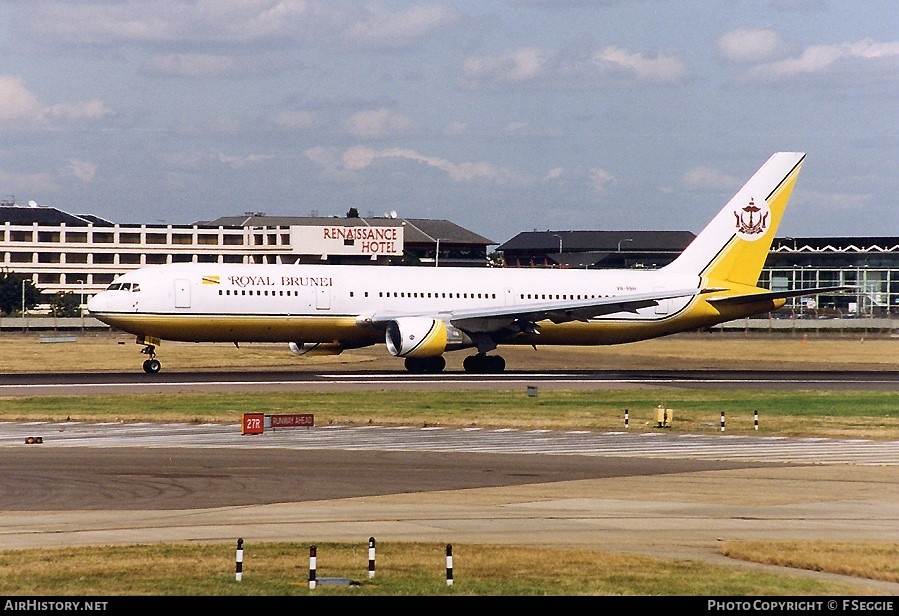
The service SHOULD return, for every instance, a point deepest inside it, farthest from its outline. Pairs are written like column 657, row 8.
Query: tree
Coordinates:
column 352, row 213
column 66, row 304
column 495, row 259
column 11, row 289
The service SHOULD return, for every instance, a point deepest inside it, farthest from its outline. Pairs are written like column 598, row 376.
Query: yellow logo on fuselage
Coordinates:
column 211, row 280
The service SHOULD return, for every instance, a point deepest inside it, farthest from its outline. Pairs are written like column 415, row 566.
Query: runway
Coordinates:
column 131, row 382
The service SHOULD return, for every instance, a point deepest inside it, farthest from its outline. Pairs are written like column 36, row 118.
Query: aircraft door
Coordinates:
column 323, row 298
column 663, row 305
column 182, row 293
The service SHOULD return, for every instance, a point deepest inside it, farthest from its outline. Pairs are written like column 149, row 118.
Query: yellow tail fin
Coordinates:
column 733, row 247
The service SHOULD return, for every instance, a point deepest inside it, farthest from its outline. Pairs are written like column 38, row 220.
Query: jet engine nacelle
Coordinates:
column 315, row 348
column 423, row 337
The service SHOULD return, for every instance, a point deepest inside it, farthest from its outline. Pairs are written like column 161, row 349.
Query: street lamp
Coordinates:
column 560, row 241
column 81, row 296
column 627, row 239
column 437, row 251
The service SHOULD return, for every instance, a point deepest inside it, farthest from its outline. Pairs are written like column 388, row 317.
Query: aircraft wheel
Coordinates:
column 436, row 364
column 484, row 364
column 152, row 366
column 425, row 365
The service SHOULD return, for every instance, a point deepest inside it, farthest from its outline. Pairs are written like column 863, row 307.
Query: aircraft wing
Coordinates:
column 749, row 298
column 497, row 317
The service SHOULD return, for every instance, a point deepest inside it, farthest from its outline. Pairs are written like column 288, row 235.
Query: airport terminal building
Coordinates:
column 82, row 254
column 869, row 263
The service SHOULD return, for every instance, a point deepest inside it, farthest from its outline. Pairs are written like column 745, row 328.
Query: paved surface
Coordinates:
column 303, row 381
column 202, row 485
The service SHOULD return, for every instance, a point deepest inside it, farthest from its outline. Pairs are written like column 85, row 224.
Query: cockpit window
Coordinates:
column 124, row 286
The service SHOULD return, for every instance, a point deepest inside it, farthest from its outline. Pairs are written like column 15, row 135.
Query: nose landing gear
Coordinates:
column 151, row 365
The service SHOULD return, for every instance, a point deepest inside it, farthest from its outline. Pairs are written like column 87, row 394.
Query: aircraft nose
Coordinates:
column 98, row 303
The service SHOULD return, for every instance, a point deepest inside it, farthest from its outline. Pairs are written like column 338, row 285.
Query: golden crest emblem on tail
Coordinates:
column 752, row 220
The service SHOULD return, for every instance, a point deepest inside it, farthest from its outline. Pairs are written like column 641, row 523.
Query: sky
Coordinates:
column 502, row 116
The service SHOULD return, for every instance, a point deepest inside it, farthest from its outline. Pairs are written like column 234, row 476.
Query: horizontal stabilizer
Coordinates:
column 751, row 298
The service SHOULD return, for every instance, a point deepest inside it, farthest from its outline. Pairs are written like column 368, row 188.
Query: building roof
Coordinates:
column 16, row 214
column 417, row 230
column 836, row 244
column 598, row 241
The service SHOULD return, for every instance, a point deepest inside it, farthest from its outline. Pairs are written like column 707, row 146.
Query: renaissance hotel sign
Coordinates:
column 335, row 240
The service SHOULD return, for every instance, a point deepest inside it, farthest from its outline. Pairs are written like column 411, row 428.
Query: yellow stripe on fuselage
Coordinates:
column 239, row 328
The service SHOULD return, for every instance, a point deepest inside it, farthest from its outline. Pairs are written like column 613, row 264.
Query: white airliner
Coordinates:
column 421, row 313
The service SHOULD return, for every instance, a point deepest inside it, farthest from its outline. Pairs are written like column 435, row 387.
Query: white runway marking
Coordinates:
column 774, row 449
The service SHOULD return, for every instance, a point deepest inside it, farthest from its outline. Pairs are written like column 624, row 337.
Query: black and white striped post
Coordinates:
column 238, row 567
column 756, row 420
column 449, row 564
column 626, row 419
column 722, row 421
column 312, row 565
column 371, row 557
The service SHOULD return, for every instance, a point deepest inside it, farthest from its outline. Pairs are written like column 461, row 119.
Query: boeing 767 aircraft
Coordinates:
column 421, row 313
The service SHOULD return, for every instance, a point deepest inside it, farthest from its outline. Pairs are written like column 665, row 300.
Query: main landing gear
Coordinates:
column 484, row 364
column 151, row 365
column 425, row 365
column 478, row 364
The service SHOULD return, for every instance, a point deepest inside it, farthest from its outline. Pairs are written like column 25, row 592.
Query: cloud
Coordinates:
column 83, row 170
column 378, row 123
column 29, row 183
column 600, row 179
column 196, row 158
column 513, row 66
column 615, row 61
column 360, row 157
column 16, row 101
column 22, row 107
column 379, row 28
column 863, row 59
column 527, row 65
column 833, row 202
column 455, row 129
column 341, row 22
column 295, row 119
column 237, row 162
column 750, row 45
column 191, row 65
column 704, row 178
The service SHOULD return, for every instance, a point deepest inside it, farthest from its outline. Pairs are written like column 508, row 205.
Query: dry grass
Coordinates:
column 402, row 569
column 26, row 352
column 876, row 561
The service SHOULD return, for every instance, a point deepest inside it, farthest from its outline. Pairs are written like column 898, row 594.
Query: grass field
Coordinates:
column 409, row 569
column 87, row 351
